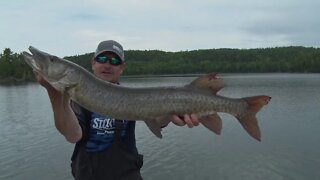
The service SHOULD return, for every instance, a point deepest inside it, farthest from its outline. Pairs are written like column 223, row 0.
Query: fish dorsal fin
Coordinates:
column 211, row 82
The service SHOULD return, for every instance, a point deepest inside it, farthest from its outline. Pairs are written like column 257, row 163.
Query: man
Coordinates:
column 105, row 147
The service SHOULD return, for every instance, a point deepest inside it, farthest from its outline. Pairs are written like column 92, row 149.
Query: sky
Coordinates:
column 75, row 27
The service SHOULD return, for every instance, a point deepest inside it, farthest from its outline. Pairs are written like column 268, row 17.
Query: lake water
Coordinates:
column 31, row 148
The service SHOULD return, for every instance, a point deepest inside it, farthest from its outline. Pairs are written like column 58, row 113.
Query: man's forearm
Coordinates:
column 65, row 120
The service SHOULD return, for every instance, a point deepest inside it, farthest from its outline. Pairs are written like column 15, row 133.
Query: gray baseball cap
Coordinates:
column 110, row 46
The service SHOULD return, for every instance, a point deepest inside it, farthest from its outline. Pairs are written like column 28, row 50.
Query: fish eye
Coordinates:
column 51, row 58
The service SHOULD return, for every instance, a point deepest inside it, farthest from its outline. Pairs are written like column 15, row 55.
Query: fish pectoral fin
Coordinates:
column 211, row 82
column 212, row 122
column 154, row 127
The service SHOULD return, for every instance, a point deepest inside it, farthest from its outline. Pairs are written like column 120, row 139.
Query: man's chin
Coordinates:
column 108, row 78
column 105, row 77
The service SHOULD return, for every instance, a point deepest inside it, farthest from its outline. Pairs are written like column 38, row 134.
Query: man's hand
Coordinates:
column 190, row 120
column 43, row 82
column 65, row 120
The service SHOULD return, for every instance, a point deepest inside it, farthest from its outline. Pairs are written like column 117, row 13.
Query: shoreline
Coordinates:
column 14, row 81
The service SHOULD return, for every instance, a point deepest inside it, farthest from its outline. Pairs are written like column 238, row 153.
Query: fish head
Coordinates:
column 55, row 70
column 48, row 65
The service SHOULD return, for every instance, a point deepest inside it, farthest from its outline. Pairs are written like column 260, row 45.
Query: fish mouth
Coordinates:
column 38, row 60
column 38, row 55
column 28, row 58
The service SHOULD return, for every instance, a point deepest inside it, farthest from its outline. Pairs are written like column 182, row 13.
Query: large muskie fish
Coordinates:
column 154, row 105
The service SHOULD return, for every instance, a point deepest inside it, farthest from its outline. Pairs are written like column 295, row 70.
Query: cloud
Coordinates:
column 75, row 27
column 285, row 24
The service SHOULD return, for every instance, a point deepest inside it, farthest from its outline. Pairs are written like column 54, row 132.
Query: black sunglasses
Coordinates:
column 112, row 60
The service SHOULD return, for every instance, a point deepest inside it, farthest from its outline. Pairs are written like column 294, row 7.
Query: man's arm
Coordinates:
column 65, row 119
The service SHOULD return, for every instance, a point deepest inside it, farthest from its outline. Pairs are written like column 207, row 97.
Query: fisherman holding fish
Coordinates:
column 105, row 147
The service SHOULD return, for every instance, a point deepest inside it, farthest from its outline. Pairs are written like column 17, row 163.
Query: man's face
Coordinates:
column 106, row 71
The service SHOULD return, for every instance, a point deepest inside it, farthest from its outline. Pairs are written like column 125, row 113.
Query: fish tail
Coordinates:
column 248, row 119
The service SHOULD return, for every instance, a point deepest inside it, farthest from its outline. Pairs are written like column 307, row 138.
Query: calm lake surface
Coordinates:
column 31, row 148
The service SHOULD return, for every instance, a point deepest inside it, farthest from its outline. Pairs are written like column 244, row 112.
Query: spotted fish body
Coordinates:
column 154, row 105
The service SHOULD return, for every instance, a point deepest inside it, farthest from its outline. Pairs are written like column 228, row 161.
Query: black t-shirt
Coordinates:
column 98, row 131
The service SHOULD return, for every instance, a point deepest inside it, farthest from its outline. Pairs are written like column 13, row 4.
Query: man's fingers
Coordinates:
column 194, row 120
column 42, row 81
column 178, row 121
column 188, row 120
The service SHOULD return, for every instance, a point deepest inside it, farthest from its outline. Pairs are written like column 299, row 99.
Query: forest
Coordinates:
column 293, row 59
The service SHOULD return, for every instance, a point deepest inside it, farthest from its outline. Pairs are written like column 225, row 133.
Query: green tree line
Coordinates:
column 13, row 68
column 148, row 62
